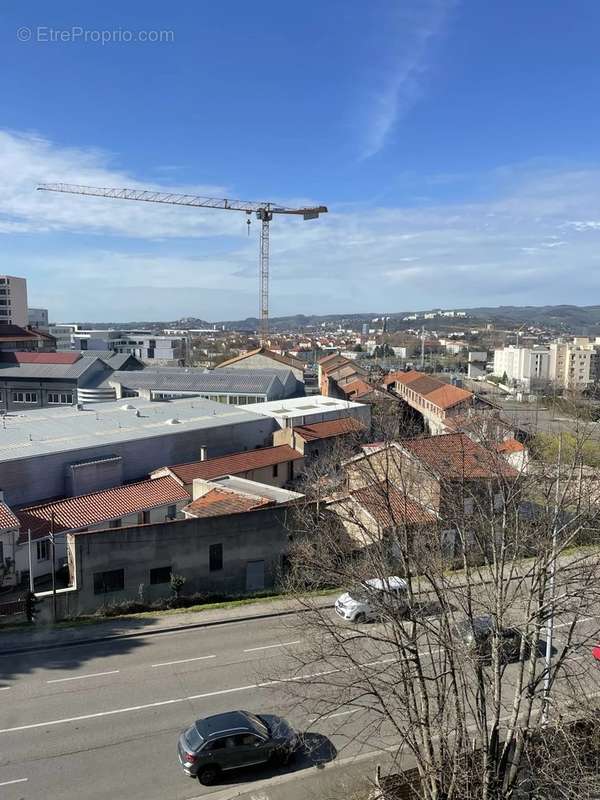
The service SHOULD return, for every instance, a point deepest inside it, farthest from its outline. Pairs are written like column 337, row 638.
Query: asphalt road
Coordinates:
column 101, row 720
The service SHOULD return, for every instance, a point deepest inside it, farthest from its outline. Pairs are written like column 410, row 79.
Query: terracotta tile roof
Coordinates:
column 510, row 446
column 358, row 388
column 218, row 502
column 325, row 359
column 13, row 333
column 40, row 358
column 7, row 518
column 389, row 506
column 288, row 361
column 441, row 394
column 234, row 464
column 85, row 510
column 329, row 428
column 455, row 456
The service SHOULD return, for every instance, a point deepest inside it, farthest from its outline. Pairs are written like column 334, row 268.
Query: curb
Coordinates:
column 137, row 634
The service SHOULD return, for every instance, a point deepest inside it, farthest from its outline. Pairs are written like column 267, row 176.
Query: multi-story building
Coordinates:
column 575, row 365
column 152, row 348
column 523, row 366
column 38, row 318
column 13, row 301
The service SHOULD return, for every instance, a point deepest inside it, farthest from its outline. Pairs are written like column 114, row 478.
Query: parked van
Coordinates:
column 361, row 603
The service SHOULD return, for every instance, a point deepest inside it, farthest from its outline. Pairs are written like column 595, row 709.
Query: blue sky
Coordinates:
column 455, row 143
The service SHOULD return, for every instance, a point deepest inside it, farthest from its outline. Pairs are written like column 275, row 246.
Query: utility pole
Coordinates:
column 53, row 548
column 29, row 557
column 550, row 621
column 422, row 347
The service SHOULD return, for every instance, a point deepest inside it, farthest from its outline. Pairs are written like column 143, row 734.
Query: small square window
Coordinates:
column 43, row 550
column 160, row 575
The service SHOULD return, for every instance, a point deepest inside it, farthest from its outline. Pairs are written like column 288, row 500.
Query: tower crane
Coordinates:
column 264, row 212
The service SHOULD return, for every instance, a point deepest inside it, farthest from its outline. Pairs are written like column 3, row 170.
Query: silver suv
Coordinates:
column 233, row 740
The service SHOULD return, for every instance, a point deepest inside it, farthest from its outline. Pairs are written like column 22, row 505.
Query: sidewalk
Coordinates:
column 41, row 637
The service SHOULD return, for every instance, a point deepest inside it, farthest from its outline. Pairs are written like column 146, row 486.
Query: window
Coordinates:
column 275, row 470
column 60, row 397
column 215, row 557
column 468, row 505
column 111, row 581
column 24, row 397
column 171, row 512
column 143, row 517
column 160, row 575
column 114, row 523
column 43, row 550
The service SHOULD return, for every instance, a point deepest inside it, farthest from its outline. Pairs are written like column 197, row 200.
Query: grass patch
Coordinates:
column 97, row 619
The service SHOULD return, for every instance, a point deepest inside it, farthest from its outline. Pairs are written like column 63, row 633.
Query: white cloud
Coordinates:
column 398, row 81
column 536, row 242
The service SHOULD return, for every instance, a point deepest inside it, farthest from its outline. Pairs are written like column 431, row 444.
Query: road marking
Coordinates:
column 182, row 661
column 336, row 714
column 269, row 646
column 577, row 622
column 18, row 780
column 5, row 688
column 83, row 677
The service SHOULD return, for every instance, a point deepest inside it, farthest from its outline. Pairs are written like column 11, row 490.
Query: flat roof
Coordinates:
column 189, row 379
column 301, row 406
column 43, row 431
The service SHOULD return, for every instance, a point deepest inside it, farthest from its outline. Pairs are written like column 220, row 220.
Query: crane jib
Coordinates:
column 264, row 211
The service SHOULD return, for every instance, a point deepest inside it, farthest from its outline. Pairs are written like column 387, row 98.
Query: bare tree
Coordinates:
column 489, row 642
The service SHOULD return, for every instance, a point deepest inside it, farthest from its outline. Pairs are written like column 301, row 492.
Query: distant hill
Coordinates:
column 564, row 318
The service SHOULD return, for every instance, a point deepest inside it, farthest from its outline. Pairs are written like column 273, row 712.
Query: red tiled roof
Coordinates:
column 85, row 510
column 7, row 518
column 510, row 446
column 389, row 506
column 13, row 333
column 329, row 428
column 218, row 502
column 456, row 456
column 289, row 361
column 40, row 358
column 234, row 464
column 357, row 388
column 447, row 396
column 325, row 359
column 441, row 394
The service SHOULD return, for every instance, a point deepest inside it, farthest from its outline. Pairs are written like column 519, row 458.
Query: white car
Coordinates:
column 360, row 604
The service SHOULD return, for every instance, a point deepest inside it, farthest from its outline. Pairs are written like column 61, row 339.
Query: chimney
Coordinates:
column 203, row 453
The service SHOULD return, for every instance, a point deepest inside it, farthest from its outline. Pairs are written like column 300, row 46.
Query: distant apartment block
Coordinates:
column 38, row 318
column 13, row 301
column 574, row 365
column 523, row 366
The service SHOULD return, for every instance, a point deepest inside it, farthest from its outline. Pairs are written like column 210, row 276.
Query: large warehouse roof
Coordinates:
column 197, row 380
column 55, row 430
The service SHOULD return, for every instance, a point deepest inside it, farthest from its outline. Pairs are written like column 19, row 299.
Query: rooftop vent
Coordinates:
column 173, row 421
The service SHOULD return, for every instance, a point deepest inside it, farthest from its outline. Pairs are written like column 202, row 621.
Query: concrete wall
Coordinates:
column 31, row 479
column 257, row 536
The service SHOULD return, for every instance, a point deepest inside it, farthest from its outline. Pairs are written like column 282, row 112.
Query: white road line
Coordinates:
column 18, row 780
column 577, row 622
column 269, row 646
column 182, row 661
column 5, row 688
column 83, row 677
column 336, row 714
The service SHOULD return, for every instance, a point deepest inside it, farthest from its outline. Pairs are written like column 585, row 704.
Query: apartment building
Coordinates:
column 38, row 318
column 149, row 347
column 13, row 301
column 574, row 365
column 523, row 366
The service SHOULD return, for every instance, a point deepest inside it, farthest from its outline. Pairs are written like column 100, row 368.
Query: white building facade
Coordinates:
column 523, row 366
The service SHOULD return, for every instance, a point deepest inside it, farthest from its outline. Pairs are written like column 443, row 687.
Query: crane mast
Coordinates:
column 264, row 212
